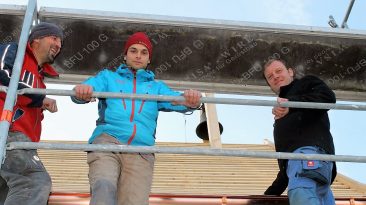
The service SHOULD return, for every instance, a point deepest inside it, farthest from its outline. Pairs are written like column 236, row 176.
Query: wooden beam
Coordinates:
column 213, row 124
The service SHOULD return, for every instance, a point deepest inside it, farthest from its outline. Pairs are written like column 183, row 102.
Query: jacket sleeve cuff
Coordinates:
column 37, row 100
column 196, row 108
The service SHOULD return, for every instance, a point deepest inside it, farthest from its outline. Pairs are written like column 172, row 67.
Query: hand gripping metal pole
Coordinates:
column 7, row 112
column 215, row 100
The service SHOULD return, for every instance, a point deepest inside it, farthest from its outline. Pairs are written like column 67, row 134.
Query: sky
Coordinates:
column 242, row 124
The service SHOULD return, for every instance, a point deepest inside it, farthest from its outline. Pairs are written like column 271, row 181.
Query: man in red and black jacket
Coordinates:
column 24, row 180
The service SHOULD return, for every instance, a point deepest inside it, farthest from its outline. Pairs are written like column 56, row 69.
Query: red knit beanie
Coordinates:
column 139, row 38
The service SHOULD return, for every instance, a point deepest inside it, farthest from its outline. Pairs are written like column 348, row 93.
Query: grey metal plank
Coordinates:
column 12, row 9
column 11, row 19
column 197, row 22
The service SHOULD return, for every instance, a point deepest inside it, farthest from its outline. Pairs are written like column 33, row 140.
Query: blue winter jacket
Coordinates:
column 132, row 122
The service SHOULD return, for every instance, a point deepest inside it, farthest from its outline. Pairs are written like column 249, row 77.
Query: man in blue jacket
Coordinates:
column 300, row 130
column 123, row 178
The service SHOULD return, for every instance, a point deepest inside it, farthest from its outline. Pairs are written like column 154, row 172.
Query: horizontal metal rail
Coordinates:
column 215, row 100
column 184, row 150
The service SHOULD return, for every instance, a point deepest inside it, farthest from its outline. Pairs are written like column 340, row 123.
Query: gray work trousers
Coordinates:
column 23, row 178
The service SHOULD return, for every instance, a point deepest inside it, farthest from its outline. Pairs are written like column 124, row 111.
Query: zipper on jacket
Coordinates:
column 37, row 115
column 132, row 135
column 123, row 101
column 133, row 100
column 142, row 105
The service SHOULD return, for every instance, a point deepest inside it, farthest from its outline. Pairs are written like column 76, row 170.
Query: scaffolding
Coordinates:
column 13, row 85
column 31, row 17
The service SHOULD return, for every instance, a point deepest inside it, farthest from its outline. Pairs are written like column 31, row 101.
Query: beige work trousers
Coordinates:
column 119, row 178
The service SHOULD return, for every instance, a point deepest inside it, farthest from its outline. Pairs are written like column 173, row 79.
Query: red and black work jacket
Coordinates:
column 27, row 114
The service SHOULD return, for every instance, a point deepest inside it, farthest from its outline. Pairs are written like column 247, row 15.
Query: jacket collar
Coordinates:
column 285, row 89
column 141, row 74
column 46, row 70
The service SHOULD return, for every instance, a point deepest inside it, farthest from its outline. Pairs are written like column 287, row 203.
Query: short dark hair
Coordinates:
column 270, row 61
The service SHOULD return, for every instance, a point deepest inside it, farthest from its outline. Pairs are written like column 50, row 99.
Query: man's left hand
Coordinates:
column 192, row 99
column 50, row 105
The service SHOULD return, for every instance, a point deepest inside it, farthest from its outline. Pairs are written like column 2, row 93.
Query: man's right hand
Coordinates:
column 83, row 92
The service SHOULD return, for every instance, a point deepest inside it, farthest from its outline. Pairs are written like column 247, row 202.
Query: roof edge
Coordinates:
column 352, row 183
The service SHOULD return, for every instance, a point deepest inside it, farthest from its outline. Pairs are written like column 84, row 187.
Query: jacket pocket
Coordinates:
column 141, row 106
column 149, row 157
column 17, row 114
column 22, row 162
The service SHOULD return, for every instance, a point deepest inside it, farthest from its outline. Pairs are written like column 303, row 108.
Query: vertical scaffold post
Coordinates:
column 344, row 23
column 7, row 112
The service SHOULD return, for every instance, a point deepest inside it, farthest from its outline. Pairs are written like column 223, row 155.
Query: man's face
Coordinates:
column 47, row 49
column 137, row 56
column 277, row 75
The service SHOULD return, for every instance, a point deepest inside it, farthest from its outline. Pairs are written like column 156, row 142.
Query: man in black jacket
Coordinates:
column 300, row 130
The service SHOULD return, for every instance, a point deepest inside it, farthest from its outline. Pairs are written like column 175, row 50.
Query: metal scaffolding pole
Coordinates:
column 7, row 111
column 332, row 22
column 184, row 150
column 232, row 101
column 344, row 23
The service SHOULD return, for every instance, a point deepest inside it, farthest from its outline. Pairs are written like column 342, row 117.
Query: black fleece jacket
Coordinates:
column 302, row 127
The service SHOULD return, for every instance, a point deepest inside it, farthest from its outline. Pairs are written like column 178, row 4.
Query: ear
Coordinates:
column 291, row 72
column 148, row 62
column 34, row 43
column 124, row 58
column 36, row 40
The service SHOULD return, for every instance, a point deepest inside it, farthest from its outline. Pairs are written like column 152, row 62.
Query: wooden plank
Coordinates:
column 213, row 124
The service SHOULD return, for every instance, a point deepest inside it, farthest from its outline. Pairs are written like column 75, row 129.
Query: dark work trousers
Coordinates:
column 24, row 179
